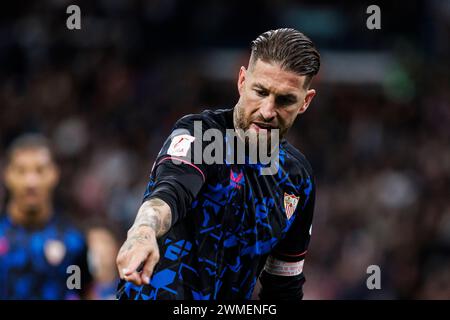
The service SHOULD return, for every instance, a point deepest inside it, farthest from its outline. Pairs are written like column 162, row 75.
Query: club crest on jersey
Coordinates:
column 54, row 251
column 290, row 204
column 180, row 145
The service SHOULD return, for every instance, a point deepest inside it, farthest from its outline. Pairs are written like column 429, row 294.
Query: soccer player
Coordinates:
column 37, row 245
column 210, row 230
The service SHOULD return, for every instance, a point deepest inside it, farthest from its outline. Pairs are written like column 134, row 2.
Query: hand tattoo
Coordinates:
column 137, row 238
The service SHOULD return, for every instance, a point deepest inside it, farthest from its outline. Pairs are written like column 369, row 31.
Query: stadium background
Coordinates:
column 377, row 134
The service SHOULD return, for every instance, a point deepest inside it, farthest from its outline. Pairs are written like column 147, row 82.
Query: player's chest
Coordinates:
column 246, row 202
column 37, row 251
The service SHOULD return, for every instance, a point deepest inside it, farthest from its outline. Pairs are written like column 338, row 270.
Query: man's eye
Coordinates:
column 262, row 93
column 284, row 101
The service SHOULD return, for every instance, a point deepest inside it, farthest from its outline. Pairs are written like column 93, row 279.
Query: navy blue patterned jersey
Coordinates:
column 33, row 263
column 227, row 219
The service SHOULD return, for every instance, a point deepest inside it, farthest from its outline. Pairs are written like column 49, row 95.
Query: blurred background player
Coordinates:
column 37, row 244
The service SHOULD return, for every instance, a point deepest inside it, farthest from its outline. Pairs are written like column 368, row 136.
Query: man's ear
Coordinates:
column 308, row 98
column 241, row 79
column 55, row 175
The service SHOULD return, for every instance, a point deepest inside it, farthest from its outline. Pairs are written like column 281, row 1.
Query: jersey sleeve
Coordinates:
column 282, row 277
column 179, row 173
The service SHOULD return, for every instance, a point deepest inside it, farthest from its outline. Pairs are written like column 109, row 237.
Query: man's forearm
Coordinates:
column 140, row 253
column 156, row 215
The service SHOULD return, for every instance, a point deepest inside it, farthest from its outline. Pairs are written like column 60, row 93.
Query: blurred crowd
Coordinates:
column 108, row 94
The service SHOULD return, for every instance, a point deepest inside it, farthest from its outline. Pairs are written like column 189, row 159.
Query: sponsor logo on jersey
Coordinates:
column 236, row 179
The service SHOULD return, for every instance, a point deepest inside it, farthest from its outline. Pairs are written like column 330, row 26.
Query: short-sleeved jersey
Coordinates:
column 227, row 217
column 34, row 262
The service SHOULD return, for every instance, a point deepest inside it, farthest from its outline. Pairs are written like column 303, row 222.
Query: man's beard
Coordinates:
column 32, row 215
column 241, row 122
column 258, row 145
column 32, row 211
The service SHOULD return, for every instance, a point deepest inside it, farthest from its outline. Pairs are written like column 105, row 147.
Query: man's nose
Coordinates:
column 267, row 110
column 32, row 179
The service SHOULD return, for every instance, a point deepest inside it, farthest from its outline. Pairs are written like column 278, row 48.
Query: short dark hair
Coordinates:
column 290, row 48
column 28, row 141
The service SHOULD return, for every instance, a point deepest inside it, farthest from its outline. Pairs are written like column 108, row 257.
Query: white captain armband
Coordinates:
column 282, row 268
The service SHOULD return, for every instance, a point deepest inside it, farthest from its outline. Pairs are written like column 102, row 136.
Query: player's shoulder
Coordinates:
column 208, row 118
column 295, row 160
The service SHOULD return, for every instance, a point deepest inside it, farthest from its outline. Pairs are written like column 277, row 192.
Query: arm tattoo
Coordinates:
column 155, row 214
